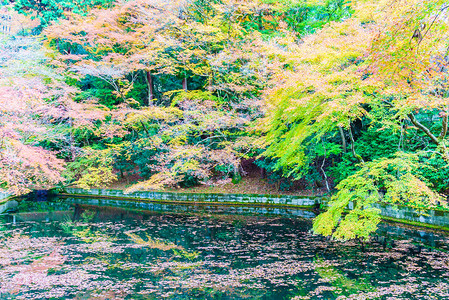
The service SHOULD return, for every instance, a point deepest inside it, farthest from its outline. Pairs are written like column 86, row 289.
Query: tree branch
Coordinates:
column 435, row 140
column 424, row 129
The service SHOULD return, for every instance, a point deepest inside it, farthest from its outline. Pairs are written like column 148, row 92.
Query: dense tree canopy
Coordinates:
column 382, row 70
column 347, row 95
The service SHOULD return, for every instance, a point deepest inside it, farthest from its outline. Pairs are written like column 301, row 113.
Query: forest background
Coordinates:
column 344, row 97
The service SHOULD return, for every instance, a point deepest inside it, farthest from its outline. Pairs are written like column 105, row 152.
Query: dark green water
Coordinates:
column 64, row 249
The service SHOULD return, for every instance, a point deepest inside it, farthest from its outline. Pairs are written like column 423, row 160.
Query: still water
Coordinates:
column 90, row 249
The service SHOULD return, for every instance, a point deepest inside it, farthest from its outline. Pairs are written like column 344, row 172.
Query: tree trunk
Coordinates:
column 444, row 125
column 149, row 79
column 322, row 169
column 343, row 139
column 184, row 84
column 72, row 141
column 351, row 136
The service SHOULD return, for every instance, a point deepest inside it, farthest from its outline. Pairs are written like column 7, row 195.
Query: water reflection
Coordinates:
column 67, row 249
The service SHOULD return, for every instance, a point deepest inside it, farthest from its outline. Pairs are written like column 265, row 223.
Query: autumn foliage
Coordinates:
column 345, row 97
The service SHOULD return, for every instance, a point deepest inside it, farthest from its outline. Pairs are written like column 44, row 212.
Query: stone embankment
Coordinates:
column 4, row 196
column 297, row 201
column 438, row 219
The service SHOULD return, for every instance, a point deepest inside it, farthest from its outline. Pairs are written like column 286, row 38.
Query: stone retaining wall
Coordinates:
column 192, row 197
column 10, row 205
column 429, row 218
column 161, row 207
column 3, row 196
column 438, row 218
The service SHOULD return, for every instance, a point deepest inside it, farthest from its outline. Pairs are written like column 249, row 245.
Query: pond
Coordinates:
column 90, row 249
